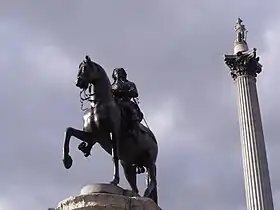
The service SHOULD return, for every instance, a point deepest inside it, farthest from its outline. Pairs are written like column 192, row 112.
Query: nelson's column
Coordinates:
column 244, row 67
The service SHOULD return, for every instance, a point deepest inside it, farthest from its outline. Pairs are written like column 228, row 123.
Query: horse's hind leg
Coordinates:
column 130, row 174
column 151, row 190
column 115, row 154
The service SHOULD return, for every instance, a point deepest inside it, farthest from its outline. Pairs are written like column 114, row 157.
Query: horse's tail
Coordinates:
column 154, row 194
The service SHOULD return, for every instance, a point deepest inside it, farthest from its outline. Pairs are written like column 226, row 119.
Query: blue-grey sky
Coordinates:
column 173, row 50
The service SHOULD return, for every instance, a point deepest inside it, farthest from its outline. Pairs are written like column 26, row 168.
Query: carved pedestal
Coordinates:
column 106, row 196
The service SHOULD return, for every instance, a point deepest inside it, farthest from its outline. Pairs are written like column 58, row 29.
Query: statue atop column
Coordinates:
column 241, row 32
column 243, row 61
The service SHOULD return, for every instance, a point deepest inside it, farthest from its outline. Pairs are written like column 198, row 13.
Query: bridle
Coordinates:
column 85, row 95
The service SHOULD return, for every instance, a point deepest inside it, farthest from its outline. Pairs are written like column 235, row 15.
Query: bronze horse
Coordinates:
column 103, row 125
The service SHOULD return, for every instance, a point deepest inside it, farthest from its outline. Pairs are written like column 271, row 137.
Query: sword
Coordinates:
column 136, row 101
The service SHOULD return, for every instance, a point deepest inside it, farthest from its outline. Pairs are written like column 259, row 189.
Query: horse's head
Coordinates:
column 87, row 74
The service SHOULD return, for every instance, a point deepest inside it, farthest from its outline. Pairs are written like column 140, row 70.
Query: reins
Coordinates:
column 84, row 96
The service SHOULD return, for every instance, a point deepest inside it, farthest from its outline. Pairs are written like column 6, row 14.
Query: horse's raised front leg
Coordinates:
column 79, row 134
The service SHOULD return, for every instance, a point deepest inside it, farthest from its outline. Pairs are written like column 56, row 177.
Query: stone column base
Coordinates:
column 106, row 196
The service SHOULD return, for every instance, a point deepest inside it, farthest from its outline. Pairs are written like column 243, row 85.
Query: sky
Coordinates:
column 173, row 51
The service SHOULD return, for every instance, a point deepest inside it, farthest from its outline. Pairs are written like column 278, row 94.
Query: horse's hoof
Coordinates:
column 136, row 192
column 115, row 181
column 67, row 161
column 84, row 148
column 87, row 154
column 83, row 144
column 147, row 193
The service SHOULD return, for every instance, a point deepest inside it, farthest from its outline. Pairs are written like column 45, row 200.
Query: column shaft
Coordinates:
column 256, row 173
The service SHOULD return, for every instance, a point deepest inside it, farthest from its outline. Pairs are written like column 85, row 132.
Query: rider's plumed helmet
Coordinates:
column 119, row 73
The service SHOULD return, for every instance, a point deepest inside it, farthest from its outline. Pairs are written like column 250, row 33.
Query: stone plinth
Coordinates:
column 106, row 196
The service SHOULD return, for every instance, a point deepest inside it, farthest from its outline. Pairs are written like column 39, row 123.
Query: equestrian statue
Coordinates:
column 114, row 121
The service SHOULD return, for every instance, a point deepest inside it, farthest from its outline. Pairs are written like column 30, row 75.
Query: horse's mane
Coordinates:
column 101, row 70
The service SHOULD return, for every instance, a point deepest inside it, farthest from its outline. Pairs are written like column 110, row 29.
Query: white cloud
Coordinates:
column 161, row 120
column 4, row 205
column 270, row 80
column 51, row 64
column 45, row 59
column 276, row 199
column 166, row 119
column 269, row 89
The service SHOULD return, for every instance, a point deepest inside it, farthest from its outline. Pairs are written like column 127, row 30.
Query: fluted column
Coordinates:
column 244, row 66
column 256, row 174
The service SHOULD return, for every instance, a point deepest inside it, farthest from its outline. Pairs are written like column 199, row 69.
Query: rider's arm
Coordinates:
column 116, row 90
column 132, row 92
